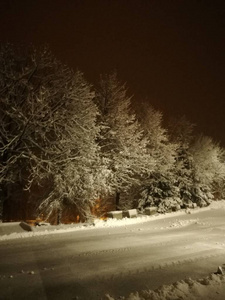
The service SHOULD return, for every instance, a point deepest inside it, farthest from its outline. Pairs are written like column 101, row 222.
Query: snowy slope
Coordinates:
column 111, row 223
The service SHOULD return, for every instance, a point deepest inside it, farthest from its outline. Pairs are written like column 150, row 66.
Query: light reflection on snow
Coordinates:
column 111, row 223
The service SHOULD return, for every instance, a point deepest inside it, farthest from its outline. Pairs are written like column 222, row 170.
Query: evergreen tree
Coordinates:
column 181, row 133
column 209, row 169
column 122, row 144
column 159, row 186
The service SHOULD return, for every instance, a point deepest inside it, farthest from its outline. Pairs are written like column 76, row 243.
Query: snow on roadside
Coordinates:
column 111, row 223
column 217, row 204
column 181, row 223
column 209, row 288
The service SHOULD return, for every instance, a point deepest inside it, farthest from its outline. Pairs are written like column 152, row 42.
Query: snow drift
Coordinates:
column 209, row 288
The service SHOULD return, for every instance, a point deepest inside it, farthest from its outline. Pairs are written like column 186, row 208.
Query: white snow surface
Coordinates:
column 209, row 288
column 110, row 223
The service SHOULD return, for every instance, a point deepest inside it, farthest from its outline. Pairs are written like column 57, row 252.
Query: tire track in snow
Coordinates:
column 117, row 250
column 125, row 249
column 165, row 265
column 105, row 251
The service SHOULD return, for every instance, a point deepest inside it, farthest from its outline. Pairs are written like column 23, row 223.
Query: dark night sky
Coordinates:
column 169, row 52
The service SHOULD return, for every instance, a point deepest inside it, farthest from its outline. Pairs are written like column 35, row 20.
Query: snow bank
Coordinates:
column 209, row 288
column 182, row 223
column 111, row 223
column 217, row 204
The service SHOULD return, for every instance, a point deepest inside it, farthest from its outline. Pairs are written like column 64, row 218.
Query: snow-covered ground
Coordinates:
column 111, row 223
column 209, row 288
column 131, row 257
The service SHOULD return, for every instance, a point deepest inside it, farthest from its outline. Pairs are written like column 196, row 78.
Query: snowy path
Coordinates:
column 88, row 264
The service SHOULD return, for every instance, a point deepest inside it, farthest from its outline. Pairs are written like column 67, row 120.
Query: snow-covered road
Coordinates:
column 87, row 264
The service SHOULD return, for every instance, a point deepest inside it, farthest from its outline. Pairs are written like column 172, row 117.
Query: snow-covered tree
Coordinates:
column 47, row 130
column 181, row 132
column 159, row 185
column 209, row 169
column 79, row 175
column 199, row 167
column 123, row 146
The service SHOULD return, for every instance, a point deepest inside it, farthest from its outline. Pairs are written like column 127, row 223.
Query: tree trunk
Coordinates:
column 5, row 204
column 59, row 216
column 88, row 214
column 117, row 200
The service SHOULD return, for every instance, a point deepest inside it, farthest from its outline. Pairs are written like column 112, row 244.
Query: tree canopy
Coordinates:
column 68, row 144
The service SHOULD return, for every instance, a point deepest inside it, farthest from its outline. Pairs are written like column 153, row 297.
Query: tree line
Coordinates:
column 66, row 144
